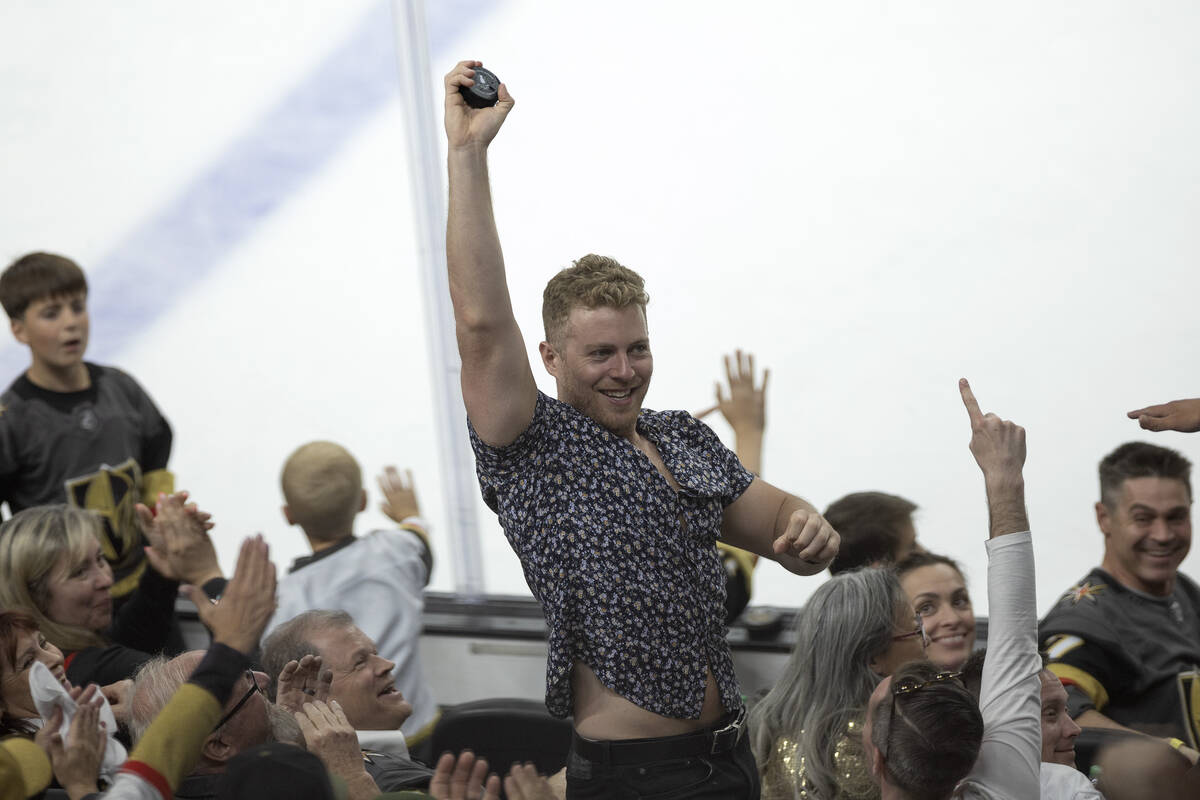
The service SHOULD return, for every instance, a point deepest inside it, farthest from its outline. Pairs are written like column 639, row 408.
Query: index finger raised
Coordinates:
column 968, row 398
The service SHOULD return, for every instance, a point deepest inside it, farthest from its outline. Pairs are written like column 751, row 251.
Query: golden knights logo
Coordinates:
column 1083, row 591
column 112, row 492
column 1189, row 699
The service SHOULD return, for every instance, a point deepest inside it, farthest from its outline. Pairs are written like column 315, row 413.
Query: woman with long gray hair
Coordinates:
column 856, row 629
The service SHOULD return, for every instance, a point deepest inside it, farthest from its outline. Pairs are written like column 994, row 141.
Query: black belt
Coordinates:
column 619, row 752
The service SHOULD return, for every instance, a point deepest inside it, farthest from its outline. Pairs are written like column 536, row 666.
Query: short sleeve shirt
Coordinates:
column 624, row 566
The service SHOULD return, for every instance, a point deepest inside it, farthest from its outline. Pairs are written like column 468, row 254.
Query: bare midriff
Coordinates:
column 600, row 713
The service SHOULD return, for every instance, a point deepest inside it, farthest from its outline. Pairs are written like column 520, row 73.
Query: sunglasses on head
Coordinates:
column 908, row 686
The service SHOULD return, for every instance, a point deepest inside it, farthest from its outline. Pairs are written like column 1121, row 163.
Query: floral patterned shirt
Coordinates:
column 625, row 567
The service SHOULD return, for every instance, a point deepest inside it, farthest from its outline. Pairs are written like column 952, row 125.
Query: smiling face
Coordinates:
column 939, row 596
column 31, row 647
column 56, row 331
column 78, row 587
column 1059, row 731
column 362, row 679
column 602, row 365
column 1148, row 533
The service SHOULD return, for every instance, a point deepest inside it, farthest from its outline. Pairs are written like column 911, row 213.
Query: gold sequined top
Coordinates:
column 784, row 774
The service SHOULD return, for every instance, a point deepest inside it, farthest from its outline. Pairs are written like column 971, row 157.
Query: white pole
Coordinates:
column 457, row 462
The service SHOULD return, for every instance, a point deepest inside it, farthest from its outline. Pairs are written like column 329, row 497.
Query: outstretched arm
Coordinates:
column 1177, row 415
column 497, row 382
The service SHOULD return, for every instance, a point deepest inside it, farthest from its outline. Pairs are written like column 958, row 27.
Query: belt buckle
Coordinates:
column 724, row 739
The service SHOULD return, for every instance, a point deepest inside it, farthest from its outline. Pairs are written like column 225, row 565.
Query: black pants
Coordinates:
column 729, row 774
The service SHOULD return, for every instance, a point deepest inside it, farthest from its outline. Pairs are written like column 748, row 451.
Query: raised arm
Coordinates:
column 744, row 408
column 171, row 746
column 1010, row 697
column 497, row 382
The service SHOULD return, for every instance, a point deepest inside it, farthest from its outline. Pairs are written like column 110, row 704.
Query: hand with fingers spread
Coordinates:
column 462, row 778
column 399, row 493
column 239, row 618
column 744, row 408
column 331, row 737
column 301, row 682
column 999, row 448
column 468, row 127
column 76, row 762
column 180, row 547
column 524, row 783
column 809, row 540
column 1177, row 415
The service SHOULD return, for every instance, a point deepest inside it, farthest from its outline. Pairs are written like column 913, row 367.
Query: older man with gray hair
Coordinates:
column 249, row 718
column 324, row 651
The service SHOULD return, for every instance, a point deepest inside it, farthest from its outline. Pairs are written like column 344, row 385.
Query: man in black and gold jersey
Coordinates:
column 1125, row 640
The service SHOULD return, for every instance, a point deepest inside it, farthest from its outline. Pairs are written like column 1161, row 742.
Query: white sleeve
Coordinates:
column 1060, row 782
column 1010, row 697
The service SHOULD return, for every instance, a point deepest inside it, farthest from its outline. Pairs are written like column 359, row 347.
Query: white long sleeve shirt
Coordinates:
column 1009, row 764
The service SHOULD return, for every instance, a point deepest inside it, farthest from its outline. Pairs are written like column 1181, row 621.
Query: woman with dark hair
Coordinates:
column 856, row 629
column 53, row 568
column 21, row 646
column 937, row 590
column 75, row 758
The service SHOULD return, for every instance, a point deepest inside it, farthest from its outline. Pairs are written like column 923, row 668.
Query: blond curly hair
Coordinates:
column 590, row 282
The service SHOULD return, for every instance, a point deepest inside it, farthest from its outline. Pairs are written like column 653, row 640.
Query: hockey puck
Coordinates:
column 485, row 92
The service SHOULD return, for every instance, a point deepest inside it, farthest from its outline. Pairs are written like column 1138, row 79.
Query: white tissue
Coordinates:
column 48, row 694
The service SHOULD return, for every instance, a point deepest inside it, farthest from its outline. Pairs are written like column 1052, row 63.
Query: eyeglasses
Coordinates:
column 919, row 631
column 909, row 686
column 254, row 688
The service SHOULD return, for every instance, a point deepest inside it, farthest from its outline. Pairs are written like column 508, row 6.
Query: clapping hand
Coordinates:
column 180, row 547
column 76, row 761
column 524, row 783
column 301, row 682
column 462, row 778
column 331, row 737
column 239, row 618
